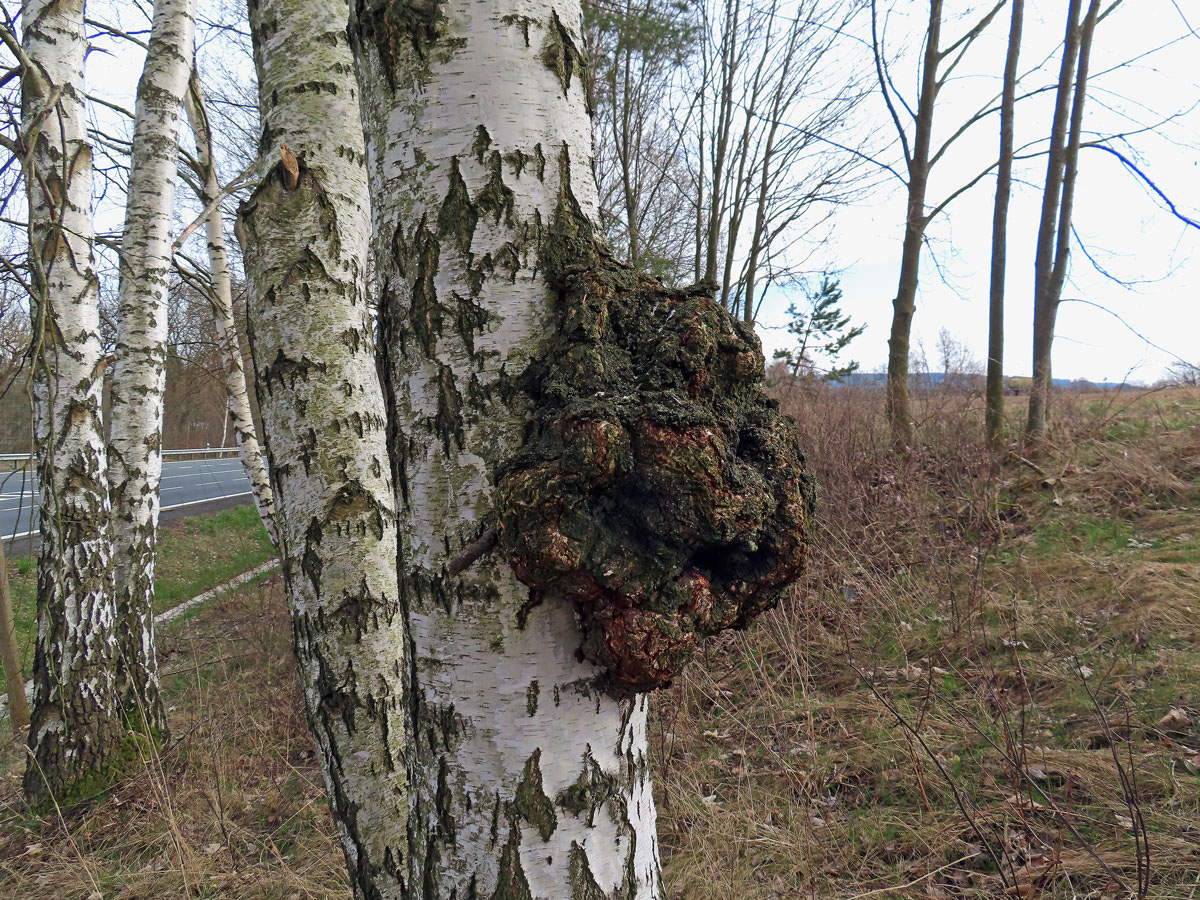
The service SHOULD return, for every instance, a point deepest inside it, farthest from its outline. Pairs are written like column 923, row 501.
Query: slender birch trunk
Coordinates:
column 139, row 376
column 994, row 418
column 305, row 235
column 73, row 735
column 10, row 656
column 236, row 393
column 529, row 781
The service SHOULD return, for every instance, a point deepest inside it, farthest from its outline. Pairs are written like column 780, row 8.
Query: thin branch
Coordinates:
column 1132, row 166
column 240, row 181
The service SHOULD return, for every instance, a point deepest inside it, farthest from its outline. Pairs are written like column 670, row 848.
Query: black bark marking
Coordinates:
column 530, row 803
column 448, row 423
column 396, row 29
column 458, row 215
column 560, row 54
column 482, row 143
column 496, row 197
column 424, row 313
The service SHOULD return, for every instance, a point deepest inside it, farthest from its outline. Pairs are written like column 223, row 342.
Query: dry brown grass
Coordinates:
column 963, row 698
column 232, row 807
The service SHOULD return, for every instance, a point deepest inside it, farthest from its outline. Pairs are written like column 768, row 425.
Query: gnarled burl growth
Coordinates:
column 659, row 489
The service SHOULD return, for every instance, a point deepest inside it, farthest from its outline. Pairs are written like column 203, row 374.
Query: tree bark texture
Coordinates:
column 529, row 780
column 1053, row 242
column 237, row 395
column 139, row 374
column 10, row 656
column 73, row 735
column 994, row 417
column 899, row 404
column 305, row 234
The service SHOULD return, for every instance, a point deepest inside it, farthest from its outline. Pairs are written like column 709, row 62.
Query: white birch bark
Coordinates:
column 304, row 234
column 237, row 395
column 72, row 736
column 529, row 781
column 139, row 374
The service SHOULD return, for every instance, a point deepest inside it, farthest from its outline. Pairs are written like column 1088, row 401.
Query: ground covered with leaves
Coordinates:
column 986, row 685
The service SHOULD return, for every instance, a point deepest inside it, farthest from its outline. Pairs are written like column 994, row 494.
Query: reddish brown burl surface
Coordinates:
column 659, row 489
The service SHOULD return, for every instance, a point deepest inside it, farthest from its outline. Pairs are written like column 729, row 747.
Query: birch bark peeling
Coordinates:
column 530, row 781
column 73, row 735
column 236, row 393
column 139, row 376
column 325, row 429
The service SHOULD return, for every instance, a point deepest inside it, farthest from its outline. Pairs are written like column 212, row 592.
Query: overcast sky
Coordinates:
column 1127, row 230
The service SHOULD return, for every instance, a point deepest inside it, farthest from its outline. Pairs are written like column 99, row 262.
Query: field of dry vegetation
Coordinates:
column 986, row 686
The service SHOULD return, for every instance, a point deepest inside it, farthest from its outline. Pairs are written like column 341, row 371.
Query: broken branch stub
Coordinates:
column 659, row 489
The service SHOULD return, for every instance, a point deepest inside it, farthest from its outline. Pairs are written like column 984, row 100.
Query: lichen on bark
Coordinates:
column 658, row 488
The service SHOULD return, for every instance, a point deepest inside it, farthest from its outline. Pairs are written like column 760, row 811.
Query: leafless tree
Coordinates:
column 914, row 130
column 1054, row 230
column 994, row 416
column 778, row 90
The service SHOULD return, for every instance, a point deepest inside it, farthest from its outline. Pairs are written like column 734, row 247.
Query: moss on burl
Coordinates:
column 658, row 488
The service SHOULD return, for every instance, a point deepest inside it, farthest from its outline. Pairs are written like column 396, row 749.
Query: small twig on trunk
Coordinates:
column 472, row 552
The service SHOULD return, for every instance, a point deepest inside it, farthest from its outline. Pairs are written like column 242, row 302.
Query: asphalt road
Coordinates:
column 190, row 485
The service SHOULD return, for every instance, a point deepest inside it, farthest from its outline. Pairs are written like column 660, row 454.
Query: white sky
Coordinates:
column 1126, row 229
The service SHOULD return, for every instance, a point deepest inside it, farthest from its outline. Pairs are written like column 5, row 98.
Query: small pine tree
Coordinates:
column 821, row 327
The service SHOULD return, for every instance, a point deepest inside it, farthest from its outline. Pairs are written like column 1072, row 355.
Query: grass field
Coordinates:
column 194, row 554
column 987, row 685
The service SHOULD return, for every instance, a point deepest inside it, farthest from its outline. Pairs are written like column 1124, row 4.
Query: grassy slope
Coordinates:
column 194, row 554
column 965, row 697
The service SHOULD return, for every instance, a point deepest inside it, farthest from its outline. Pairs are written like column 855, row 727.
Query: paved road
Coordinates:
column 186, row 483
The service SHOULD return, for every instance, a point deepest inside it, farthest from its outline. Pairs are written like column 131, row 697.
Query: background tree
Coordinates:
column 638, row 51
column 777, row 89
column 219, row 291
column 1054, row 229
column 139, row 374
column 74, row 732
column 821, row 327
column 994, row 415
column 938, row 62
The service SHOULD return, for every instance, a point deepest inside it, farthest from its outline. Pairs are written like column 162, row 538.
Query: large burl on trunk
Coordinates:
column 658, row 489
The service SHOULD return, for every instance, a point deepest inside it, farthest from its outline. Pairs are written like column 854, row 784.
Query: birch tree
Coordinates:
column 528, row 781
column 73, row 734
column 139, row 374
column 220, row 296
column 304, row 234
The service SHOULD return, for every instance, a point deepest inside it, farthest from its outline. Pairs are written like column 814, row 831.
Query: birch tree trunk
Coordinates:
column 73, row 735
column 237, row 395
column 994, row 418
column 529, row 781
column 305, row 235
column 139, row 376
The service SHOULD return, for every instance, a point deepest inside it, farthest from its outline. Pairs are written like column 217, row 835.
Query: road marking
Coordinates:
column 17, row 537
